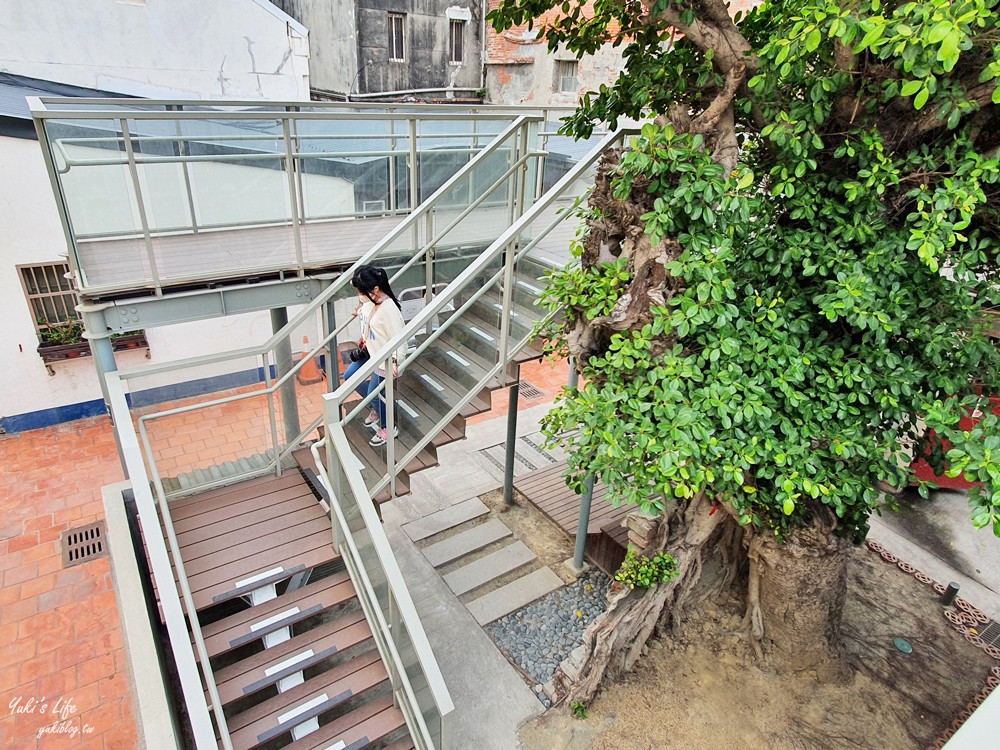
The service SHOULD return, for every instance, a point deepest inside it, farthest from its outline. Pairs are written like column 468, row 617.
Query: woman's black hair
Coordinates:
column 366, row 278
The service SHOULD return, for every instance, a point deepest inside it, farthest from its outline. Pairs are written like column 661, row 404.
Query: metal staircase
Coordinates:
column 288, row 617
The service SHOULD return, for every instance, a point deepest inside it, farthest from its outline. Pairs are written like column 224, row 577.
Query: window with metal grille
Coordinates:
column 396, row 25
column 456, row 49
column 50, row 297
column 566, row 72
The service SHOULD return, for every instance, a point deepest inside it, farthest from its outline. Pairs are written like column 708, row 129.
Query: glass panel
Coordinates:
column 89, row 156
column 345, row 165
column 211, row 442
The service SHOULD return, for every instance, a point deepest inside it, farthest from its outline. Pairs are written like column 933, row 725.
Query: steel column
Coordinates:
column 283, row 364
column 581, row 529
column 104, row 360
column 511, row 445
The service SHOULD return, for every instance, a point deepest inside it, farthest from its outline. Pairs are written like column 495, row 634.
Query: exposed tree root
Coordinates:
column 614, row 641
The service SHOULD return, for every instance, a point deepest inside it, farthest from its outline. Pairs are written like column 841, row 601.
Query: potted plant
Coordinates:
column 62, row 340
column 129, row 340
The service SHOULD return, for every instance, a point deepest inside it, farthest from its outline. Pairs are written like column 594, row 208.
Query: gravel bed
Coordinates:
column 538, row 637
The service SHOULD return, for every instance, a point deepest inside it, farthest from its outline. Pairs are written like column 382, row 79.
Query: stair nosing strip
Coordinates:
column 312, row 713
column 290, row 670
column 240, row 591
column 277, row 625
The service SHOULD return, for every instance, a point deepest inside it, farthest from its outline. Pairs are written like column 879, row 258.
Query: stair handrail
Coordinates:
column 516, row 131
column 179, row 611
column 338, row 397
column 344, row 278
column 337, row 442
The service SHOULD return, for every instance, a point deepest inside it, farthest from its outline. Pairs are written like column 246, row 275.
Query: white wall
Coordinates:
column 30, row 232
column 234, row 49
column 532, row 78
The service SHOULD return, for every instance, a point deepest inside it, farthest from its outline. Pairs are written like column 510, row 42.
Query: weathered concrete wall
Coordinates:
column 236, row 49
column 333, row 41
column 532, row 75
column 426, row 54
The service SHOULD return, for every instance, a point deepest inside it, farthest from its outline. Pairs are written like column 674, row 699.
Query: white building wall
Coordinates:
column 233, row 49
column 30, row 232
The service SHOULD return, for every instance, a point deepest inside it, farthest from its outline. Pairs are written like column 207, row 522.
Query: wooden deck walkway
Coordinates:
column 607, row 539
column 122, row 264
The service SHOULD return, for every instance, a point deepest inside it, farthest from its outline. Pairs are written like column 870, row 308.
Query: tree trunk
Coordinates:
column 795, row 601
column 614, row 641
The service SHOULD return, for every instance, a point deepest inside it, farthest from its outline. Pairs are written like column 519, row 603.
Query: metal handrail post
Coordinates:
column 390, row 424
column 584, row 523
column 181, row 150
column 140, row 205
column 293, row 202
column 429, row 258
column 393, row 198
column 414, row 184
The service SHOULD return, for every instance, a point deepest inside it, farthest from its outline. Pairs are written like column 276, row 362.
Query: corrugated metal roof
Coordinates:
column 14, row 89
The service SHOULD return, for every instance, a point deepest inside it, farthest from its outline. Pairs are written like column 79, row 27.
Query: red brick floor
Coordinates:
column 63, row 674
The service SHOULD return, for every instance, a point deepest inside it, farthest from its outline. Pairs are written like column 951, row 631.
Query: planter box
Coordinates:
column 59, row 352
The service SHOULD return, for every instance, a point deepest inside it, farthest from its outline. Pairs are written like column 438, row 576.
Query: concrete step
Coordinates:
column 445, row 519
column 485, row 569
column 514, row 595
column 466, row 542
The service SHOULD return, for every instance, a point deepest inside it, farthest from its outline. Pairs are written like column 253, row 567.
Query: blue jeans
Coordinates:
column 362, row 389
column 377, row 403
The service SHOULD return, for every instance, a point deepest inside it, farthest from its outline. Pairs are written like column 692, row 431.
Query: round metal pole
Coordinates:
column 581, row 529
column 508, row 464
column 283, row 363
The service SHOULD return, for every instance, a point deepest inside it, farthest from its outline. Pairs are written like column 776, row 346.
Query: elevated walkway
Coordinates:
column 270, row 570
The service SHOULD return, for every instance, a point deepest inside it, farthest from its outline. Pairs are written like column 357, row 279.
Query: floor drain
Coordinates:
column 991, row 634
column 84, row 543
column 527, row 390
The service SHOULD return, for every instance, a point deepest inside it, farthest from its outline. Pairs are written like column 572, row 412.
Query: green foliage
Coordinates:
column 65, row 332
column 828, row 294
column 579, row 709
column 641, row 572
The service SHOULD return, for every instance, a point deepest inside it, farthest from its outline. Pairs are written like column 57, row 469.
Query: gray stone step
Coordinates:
column 514, row 595
column 485, row 569
column 465, row 543
column 445, row 519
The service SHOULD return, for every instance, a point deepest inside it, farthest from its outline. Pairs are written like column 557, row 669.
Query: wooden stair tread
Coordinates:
column 259, row 724
column 374, row 720
column 235, row 630
column 249, row 675
column 304, row 458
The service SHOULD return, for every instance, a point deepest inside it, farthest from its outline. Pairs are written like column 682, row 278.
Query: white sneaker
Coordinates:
column 379, row 438
column 372, row 420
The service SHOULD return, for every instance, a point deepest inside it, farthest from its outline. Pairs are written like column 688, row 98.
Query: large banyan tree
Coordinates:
column 784, row 279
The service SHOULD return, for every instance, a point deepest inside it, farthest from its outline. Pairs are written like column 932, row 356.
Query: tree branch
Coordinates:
column 707, row 120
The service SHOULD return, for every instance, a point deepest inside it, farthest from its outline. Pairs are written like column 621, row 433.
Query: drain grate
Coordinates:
column 84, row 543
column 527, row 390
column 991, row 634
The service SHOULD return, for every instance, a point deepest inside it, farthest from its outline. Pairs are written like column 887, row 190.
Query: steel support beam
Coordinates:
column 148, row 312
column 283, row 363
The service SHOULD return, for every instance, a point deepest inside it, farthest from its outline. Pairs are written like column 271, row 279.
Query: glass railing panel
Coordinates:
column 197, row 435
column 89, row 158
column 346, row 168
column 418, row 681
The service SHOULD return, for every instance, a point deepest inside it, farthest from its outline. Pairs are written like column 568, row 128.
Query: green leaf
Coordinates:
column 921, row 99
column 911, row 87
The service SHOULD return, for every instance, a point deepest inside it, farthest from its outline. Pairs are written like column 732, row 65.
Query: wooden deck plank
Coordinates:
column 264, row 484
column 246, row 513
column 316, row 548
column 280, row 531
column 223, row 506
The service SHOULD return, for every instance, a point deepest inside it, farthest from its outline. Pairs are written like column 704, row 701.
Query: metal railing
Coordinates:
column 178, row 608
column 421, row 238
column 181, row 174
column 491, row 275
column 359, row 537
